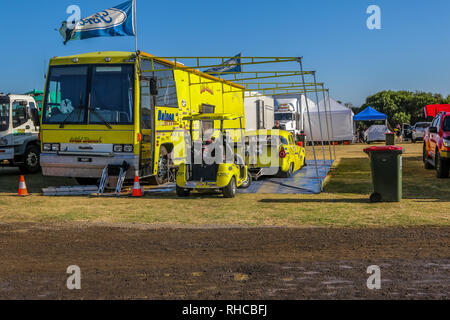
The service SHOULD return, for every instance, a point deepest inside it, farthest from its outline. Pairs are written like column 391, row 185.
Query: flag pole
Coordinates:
column 135, row 25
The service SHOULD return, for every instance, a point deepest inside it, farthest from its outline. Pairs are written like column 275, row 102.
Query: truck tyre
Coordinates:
column 31, row 160
column 246, row 183
column 427, row 164
column 182, row 193
column 87, row 181
column 230, row 190
column 413, row 140
column 442, row 167
column 288, row 173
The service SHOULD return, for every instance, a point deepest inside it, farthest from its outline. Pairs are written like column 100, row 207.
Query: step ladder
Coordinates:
column 113, row 170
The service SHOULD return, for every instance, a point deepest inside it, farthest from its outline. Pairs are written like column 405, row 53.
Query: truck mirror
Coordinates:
column 154, row 86
column 35, row 117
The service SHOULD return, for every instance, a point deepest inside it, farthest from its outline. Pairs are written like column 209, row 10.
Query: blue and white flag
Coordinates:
column 231, row 65
column 117, row 21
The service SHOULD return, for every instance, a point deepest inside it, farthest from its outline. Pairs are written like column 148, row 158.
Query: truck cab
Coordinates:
column 19, row 132
column 288, row 117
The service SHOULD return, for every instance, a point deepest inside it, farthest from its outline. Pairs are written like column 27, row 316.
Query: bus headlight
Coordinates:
column 55, row 147
column 118, row 148
column 47, row 147
column 123, row 148
column 128, row 148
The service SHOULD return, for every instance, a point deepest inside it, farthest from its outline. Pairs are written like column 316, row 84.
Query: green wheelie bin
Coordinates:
column 386, row 165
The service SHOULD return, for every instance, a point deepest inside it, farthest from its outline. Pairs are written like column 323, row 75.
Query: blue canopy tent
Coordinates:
column 370, row 114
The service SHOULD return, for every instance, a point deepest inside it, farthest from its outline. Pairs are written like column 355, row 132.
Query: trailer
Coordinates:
column 259, row 111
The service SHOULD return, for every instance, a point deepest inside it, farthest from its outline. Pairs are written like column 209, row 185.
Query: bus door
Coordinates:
column 147, row 128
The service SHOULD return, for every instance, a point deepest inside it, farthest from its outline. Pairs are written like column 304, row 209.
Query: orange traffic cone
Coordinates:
column 22, row 187
column 137, row 191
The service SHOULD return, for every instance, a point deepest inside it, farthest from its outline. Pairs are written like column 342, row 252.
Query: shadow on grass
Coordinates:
column 9, row 181
column 290, row 200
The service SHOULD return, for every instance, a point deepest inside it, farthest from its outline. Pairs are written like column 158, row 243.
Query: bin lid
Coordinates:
column 384, row 149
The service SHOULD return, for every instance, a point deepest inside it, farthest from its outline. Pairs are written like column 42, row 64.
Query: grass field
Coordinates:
column 344, row 201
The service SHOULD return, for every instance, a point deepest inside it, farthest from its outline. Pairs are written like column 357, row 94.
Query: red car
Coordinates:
column 436, row 145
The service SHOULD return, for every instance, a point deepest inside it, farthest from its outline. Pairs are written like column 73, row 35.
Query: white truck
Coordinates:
column 259, row 111
column 290, row 111
column 19, row 132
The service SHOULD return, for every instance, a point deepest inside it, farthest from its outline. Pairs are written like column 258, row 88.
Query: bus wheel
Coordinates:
column 162, row 176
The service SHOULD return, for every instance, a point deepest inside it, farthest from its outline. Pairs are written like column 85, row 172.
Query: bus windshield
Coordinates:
column 284, row 116
column 89, row 94
column 4, row 115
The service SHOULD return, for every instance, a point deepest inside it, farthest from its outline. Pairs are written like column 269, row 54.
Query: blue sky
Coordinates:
column 411, row 51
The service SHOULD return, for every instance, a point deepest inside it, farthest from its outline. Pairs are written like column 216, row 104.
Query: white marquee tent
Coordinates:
column 342, row 122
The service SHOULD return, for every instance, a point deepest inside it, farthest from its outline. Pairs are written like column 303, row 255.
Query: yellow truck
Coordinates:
column 111, row 108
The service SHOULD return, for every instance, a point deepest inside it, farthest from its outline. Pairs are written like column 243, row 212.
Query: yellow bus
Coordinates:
column 107, row 108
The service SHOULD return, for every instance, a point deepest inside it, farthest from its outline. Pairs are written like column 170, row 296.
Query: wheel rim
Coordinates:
column 233, row 186
column 32, row 160
column 163, row 167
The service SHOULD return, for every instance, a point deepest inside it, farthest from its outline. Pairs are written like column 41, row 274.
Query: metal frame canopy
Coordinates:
column 269, row 76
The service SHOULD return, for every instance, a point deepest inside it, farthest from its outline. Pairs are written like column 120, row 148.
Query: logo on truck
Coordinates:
column 205, row 88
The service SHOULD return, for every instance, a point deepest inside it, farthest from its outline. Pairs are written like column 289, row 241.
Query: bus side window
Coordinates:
column 146, row 105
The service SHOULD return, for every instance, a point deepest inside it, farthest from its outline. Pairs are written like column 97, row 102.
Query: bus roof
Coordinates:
column 127, row 56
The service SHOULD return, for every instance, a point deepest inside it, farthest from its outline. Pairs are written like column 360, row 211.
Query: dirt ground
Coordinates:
column 141, row 262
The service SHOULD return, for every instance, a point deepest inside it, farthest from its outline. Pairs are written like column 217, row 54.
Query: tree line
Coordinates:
column 402, row 106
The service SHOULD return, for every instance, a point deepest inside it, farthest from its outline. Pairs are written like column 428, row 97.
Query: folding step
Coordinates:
column 112, row 170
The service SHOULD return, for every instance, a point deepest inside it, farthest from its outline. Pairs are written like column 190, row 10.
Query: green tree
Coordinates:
column 404, row 106
column 401, row 117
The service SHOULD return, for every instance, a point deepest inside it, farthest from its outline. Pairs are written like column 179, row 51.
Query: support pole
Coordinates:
column 332, row 129
column 326, row 117
column 319, row 183
column 135, row 25
column 320, row 120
